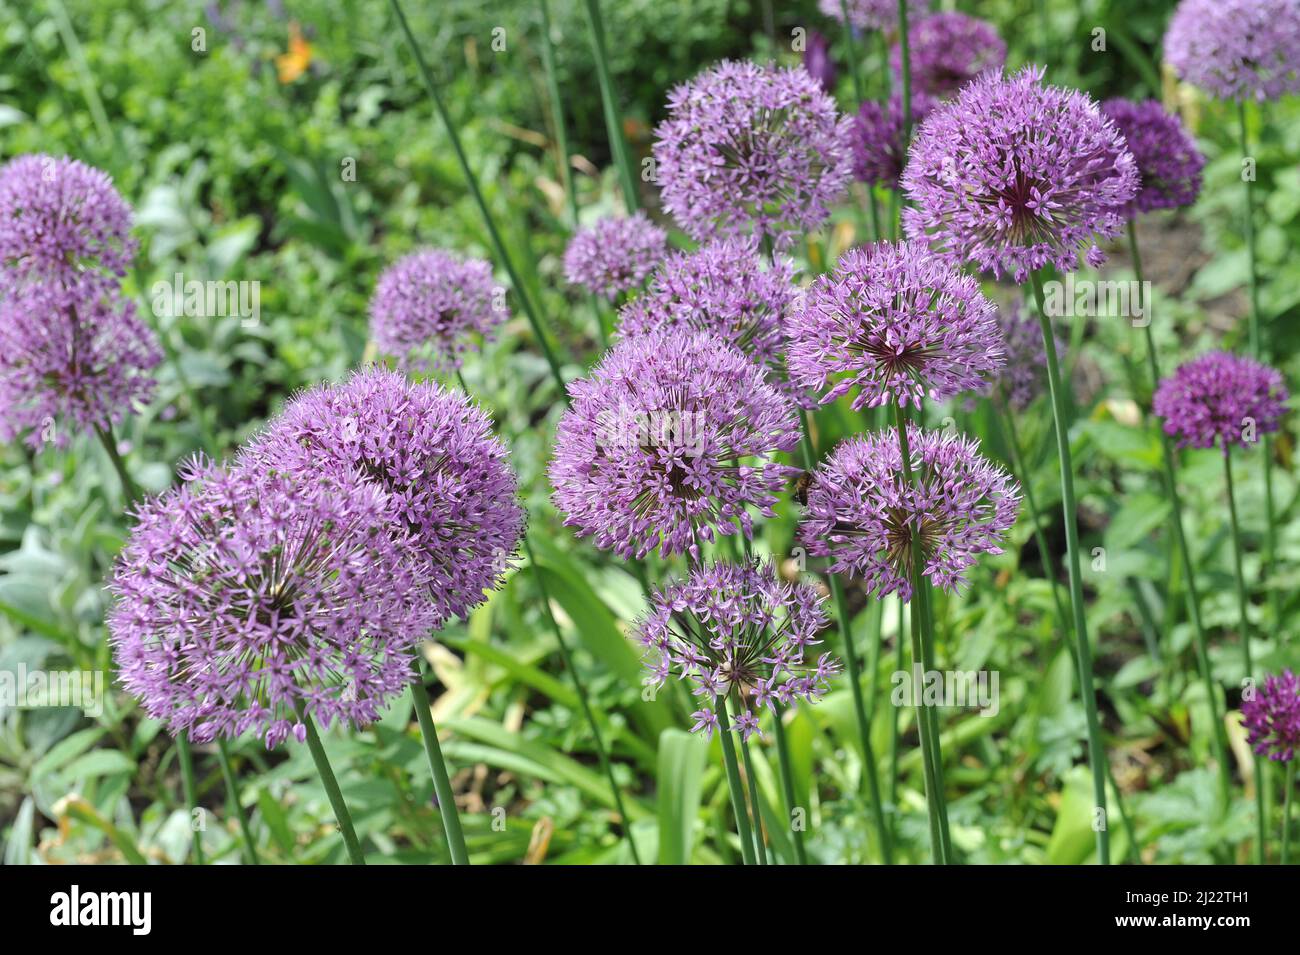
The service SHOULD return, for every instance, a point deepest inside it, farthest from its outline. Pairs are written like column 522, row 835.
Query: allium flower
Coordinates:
column 244, row 600
column 615, row 255
column 751, row 149
column 74, row 356
column 947, row 51
column 655, row 449
column 862, row 511
column 60, row 216
column 1014, row 175
column 1272, row 718
column 448, row 480
column 873, row 14
column 1237, row 49
column 1220, row 397
column 740, row 634
column 725, row 289
column 817, row 61
column 879, row 151
column 1168, row 162
column 896, row 322
column 1024, row 377
column 429, row 306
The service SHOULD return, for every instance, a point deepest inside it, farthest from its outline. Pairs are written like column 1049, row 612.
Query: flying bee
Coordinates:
column 801, row 485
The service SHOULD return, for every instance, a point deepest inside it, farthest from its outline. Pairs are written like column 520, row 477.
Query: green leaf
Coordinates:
column 682, row 757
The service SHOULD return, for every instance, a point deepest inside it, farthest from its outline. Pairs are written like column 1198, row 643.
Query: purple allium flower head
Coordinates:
column 429, row 306
column 1013, row 175
column 861, row 509
column 59, row 216
column 818, row 62
column 1168, row 162
column 947, row 51
column 739, row 633
column 873, row 14
column 1237, row 49
column 1221, row 397
column 751, row 149
column 668, row 442
column 877, row 139
column 1024, row 377
column 724, row 288
column 74, row 356
column 896, row 322
column 615, row 255
column 242, row 599
column 1272, row 717
column 448, row 479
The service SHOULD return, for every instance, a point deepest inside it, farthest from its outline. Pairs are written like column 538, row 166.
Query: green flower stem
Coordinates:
column 601, row 753
column 109, row 442
column 733, row 782
column 752, row 781
column 232, row 792
column 1259, row 352
column 498, row 245
column 870, row 769
column 853, row 54
column 787, row 786
column 609, row 101
column 557, row 113
column 1219, row 738
column 186, row 758
column 1247, row 662
column 1289, row 785
column 922, row 653
column 1096, row 755
column 332, row 791
column 905, row 58
column 442, row 790
column 876, row 234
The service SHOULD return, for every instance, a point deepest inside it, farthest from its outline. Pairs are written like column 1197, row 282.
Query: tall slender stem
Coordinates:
column 852, row 52
column 557, row 113
column 609, row 101
column 752, row 781
column 1218, row 736
column 852, row 669
column 1096, row 755
column 1289, row 771
column 1259, row 352
column 498, row 245
column 734, row 783
column 332, row 791
column 601, row 753
column 186, row 758
column 442, row 790
column 109, row 441
column 232, row 793
column 787, row 787
column 905, row 61
column 1247, row 662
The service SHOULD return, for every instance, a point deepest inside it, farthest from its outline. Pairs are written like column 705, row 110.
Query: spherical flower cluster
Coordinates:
column 615, row 255
column 1013, row 175
column 751, row 149
column 1237, row 49
column 1024, row 377
column 450, row 489
column 669, row 441
column 74, row 356
column 1221, row 397
column 947, row 51
column 723, row 288
column 818, row 62
column 429, row 306
column 896, row 322
column 862, row 512
column 1169, row 164
column 879, row 149
column 737, row 633
column 873, row 14
column 1272, row 717
column 60, row 215
column 245, row 601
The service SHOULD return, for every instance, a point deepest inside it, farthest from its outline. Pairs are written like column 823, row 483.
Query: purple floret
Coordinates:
column 1221, row 398
column 1237, row 49
column 1169, row 164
